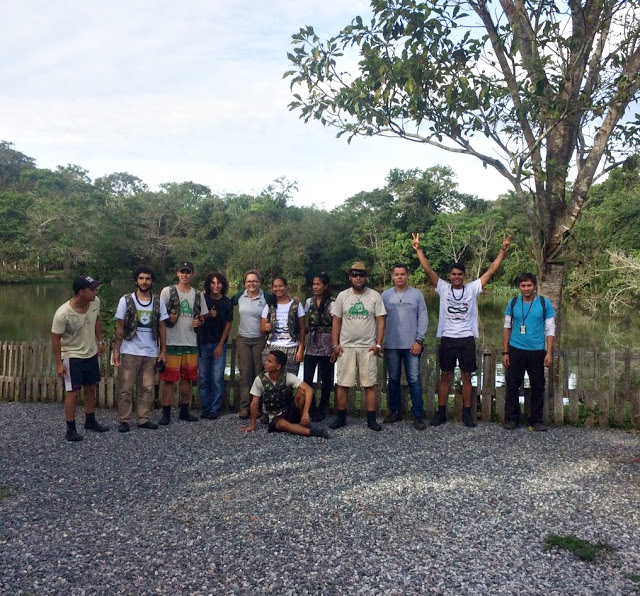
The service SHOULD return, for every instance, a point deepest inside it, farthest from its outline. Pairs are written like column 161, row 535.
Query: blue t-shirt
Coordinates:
column 530, row 315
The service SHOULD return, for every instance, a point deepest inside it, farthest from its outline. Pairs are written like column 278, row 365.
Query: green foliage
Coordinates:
column 583, row 549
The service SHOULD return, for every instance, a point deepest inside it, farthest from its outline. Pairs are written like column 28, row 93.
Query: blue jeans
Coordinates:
column 394, row 359
column 211, row 377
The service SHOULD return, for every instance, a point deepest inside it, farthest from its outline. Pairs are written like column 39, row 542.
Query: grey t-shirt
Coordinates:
column 407, row 318
column 250, row 310
column 183, row 333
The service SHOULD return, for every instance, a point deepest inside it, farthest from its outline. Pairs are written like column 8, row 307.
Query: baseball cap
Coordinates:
column 185, row 265
column 84, row 281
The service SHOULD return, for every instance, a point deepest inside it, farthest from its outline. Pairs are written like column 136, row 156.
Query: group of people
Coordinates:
column 182, row 333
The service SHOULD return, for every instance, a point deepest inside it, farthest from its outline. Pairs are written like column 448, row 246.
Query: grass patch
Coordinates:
column 583, row 549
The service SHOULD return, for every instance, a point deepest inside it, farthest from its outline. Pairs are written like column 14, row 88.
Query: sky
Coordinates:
column 191, row 91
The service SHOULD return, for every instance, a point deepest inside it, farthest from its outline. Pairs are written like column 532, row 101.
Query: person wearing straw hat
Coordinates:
column 357, row 336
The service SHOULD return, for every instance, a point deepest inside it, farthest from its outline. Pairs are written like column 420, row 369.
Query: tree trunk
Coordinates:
column 550, row 286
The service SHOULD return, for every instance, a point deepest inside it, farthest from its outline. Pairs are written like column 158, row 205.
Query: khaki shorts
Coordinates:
column 366, row 362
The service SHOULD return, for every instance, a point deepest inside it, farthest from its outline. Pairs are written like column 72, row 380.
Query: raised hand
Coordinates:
column 415, row 240
column 506, row 242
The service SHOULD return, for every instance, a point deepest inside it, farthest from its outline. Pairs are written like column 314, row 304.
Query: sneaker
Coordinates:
column 538, row 427
column 392, row 417
column 510, row 425
column 95, row 426
column 438, row 419
column 124, row 428
column 73, row 435
column 148, row 424
column 264, row 418
column 165, row 420
column 419, row 423
column 243, row 414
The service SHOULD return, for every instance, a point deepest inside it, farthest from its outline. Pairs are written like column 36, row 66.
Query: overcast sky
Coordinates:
column 172, row 92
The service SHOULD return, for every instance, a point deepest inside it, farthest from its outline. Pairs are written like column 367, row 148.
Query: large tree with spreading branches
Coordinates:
column 541, row 91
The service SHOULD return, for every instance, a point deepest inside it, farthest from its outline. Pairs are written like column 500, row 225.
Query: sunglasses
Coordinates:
column 357, row 274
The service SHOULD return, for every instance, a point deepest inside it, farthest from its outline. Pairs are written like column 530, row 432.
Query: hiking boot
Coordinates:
column 538, row 427
column 372, row 423
column 340, row 420
column 187, row 417
column 243, row 414
column 392, row 417
column 439, row 418
column 92, row 424
column 420, row 423
column 510, row 425
column 124, row 428
column 319, row 431
column 73, row 435
column 166, row 419
column 148, row 424
column 467, row 420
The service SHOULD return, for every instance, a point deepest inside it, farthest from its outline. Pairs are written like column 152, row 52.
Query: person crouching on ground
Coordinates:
column 285, row 397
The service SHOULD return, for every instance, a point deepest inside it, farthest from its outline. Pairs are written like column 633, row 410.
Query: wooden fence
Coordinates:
column 598, row 387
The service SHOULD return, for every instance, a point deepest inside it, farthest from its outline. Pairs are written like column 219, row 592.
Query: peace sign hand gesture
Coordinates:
column 506, row 242
column 415, row 240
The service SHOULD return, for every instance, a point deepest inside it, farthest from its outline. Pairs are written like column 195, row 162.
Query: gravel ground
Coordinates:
column 204, row 509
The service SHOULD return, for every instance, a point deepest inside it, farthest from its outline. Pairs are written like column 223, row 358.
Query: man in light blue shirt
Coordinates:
column 527, row 346
column 407, row 322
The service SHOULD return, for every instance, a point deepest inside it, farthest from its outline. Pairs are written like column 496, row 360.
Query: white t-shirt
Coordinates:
column 78, row 330
column 281, row 336
column 142, row 343
column 290, row 381
column 183, row 333
column 458, row 309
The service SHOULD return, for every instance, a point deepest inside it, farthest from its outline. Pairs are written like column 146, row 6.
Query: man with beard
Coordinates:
column 139, row 331
column 357, row 336
column 457, row 326
column 76, row 341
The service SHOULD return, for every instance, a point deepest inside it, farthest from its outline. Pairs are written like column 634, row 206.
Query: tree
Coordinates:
column 539, row 91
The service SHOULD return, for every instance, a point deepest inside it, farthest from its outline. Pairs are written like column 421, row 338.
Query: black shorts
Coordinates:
column 80, row 372
column 292, row 415
column 460, row 349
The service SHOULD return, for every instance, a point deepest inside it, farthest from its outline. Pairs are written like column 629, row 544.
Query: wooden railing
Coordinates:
column 597, row 387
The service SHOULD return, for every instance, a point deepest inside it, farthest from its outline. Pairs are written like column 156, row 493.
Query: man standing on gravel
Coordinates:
column 140, row 328
column 406, row 327
column 76, row 340
column 527, row 345
column 286, row 399
column 457, row 326
column 357, row 336
column 184, row 305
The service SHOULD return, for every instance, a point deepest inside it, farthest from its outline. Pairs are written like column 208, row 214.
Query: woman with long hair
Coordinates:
column 212, row 348
column 284, row 325
column 318, row 348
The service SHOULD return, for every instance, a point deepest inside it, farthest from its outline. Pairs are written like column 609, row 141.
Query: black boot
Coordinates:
column 91, row 423
column 372, row 423
column 166, row 416
column 340, row 420
column 184, row 414
column 467, row 420
column 440, row 417
column 319, row 431
column 72, row 433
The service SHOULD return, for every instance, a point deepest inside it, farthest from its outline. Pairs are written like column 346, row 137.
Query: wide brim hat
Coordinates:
column 357, row 266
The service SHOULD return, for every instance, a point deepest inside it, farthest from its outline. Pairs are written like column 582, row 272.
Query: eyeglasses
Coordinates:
column 357, row 274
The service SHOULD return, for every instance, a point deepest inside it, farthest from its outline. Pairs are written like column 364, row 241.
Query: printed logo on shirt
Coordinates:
column 358, row 311
column 458, row 310
column 144, row 320
column 185, row 309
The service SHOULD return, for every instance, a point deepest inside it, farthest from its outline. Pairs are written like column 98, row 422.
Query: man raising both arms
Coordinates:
column 457, row 326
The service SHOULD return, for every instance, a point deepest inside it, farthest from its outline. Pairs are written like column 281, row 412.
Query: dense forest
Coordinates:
column 58, row 222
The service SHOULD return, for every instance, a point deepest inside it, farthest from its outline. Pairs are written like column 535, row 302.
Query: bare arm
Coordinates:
column 118, row 342
column 506, row 335
column 424, row 262
column 163, row 341
column 336, row 325
column 308, row 398
column 488, row 274
column 548, row 357
column 380, row 321
column 254, row 408
column 56, row 346
column 303, row 335
column 99, row 336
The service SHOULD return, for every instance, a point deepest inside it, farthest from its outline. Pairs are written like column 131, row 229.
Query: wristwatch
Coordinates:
column 379, row 346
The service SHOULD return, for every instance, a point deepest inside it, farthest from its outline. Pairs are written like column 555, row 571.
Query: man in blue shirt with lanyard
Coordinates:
column 527, row 345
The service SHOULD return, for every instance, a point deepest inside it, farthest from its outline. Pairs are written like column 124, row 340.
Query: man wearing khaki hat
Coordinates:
column 358, row 335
